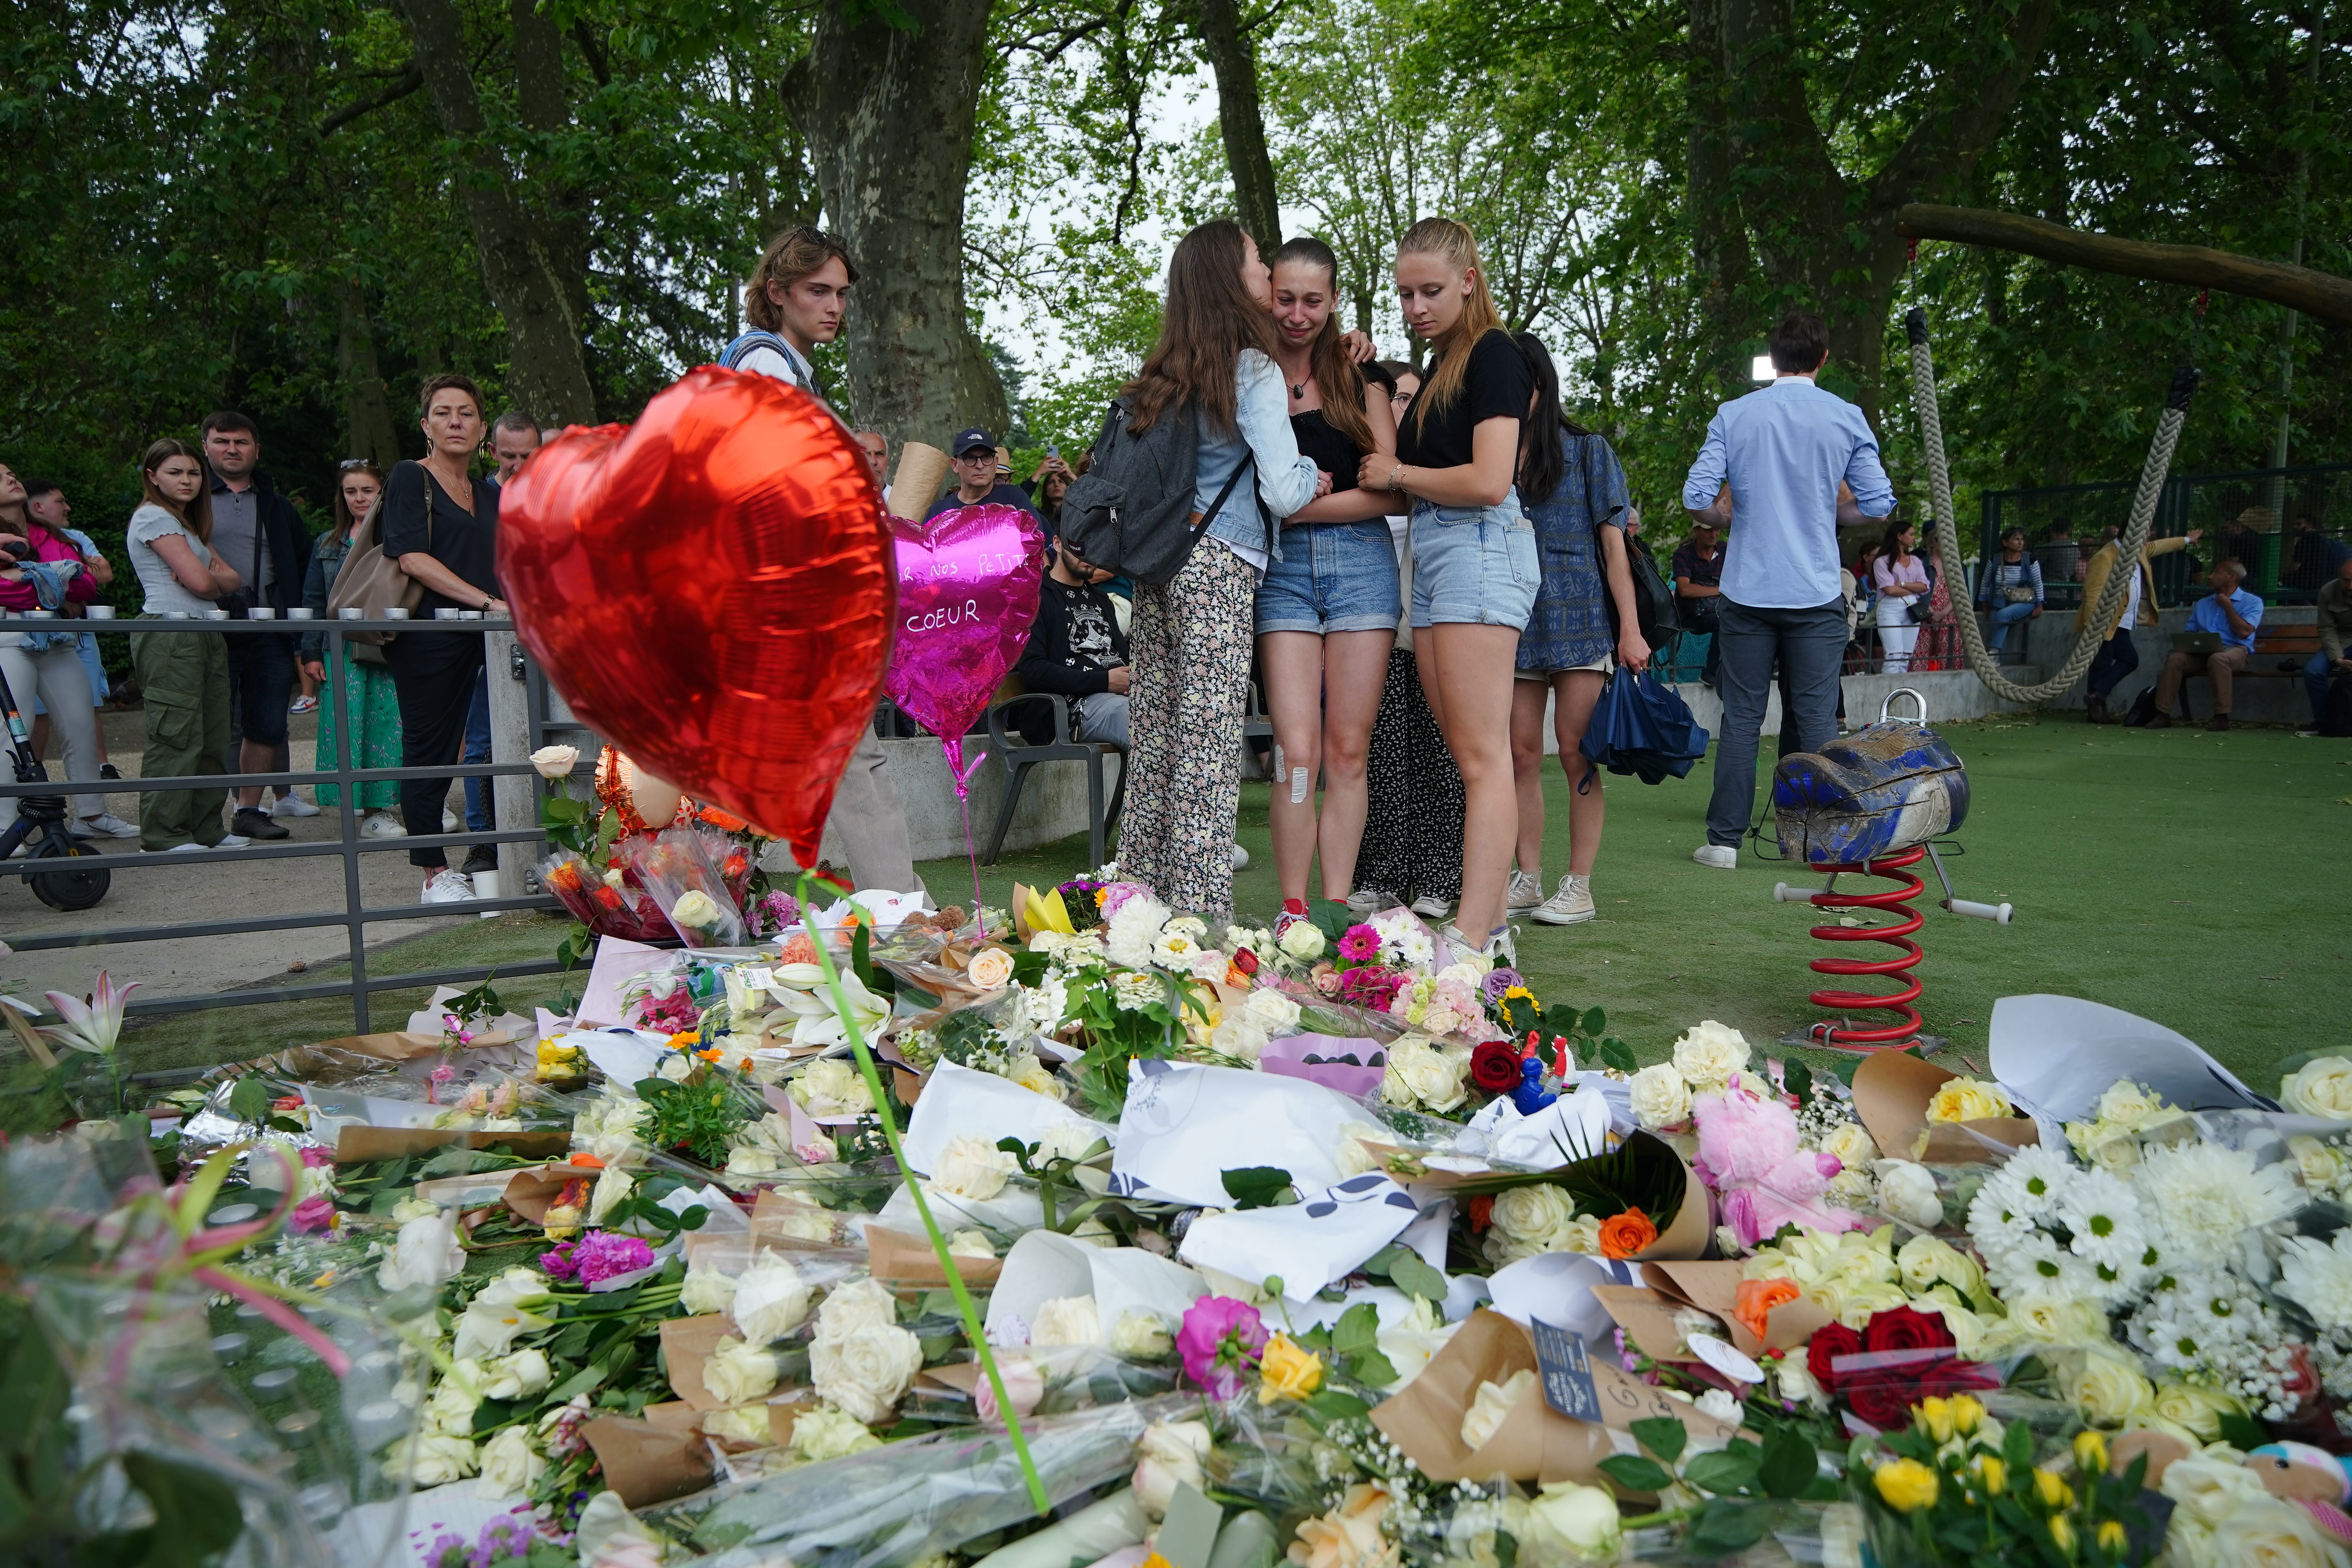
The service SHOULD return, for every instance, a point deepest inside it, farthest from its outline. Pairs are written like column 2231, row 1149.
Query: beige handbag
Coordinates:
column 372, row 582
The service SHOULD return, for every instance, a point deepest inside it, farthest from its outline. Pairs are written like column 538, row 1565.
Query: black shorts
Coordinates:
column 260, row 679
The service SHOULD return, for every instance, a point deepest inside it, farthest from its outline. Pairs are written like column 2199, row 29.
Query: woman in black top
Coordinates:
column 1474, row 550
column 1327, row 611
column 442, row 525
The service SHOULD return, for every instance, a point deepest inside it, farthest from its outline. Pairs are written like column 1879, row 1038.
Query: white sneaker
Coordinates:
column 449, row 823
column 1526, row 893
column 1458, row 948
column 1367, row 901
column 382, row 825
column 447, row 887
column 1241, row 856
column 233, row 841
column 80, row 828
column 1722, row 856
column 1501, row 949
column 1572, row 905
column 292, row 805
column 113, row 826
column 174, row 849
column 1431, row 907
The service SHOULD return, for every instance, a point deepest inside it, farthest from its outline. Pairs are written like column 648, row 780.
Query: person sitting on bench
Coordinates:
column 1076, row 650
column 2334, row 659
column 2230, row 613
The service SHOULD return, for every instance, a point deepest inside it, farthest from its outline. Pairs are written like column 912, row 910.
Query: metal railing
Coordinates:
column 2284, row 524
column 355, row 915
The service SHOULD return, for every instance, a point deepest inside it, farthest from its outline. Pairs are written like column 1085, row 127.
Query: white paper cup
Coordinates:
column 351, row 613
column 261, row 612
column 302, row 612
column 100, row 612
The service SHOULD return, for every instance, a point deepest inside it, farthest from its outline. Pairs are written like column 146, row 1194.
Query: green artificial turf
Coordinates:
column 2198, row 879
column 2194, row 879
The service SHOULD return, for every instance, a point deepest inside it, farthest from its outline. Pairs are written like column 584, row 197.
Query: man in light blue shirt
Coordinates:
column 1776, row 458
column 2230, row 613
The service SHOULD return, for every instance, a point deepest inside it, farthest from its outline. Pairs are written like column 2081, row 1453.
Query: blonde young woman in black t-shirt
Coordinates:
column 1473, row 551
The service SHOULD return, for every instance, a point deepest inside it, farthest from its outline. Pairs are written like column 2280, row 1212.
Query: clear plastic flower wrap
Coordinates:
column 230, row 1423
column 624, row 909
column 905, row 1501
column 676, row 868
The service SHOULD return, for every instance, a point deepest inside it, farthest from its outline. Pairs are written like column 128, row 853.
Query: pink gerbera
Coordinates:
column 1360, row 944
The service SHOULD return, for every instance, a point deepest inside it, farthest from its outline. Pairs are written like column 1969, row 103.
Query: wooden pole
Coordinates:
column 2301, row 289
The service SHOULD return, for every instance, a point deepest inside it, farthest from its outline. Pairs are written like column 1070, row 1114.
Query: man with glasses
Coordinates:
column 796, row 300
column 984, row 474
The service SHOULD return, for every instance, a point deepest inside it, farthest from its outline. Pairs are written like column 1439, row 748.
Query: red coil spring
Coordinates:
column 1903, row 1029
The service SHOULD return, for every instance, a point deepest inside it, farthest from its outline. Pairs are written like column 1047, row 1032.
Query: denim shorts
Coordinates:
column 1332, row 577
column 1474, row 564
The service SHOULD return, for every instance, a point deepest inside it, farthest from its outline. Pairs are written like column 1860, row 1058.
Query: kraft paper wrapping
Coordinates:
column 900, row 1259
column 1890, row 1091
column 1535, row 1443
column 355, row 1144
column 687, row 1344
column 646, row 1463
column 1714, row 1288
column 922, row 474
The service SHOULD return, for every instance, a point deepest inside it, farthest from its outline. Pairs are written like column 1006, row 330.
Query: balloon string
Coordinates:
column 962, row 770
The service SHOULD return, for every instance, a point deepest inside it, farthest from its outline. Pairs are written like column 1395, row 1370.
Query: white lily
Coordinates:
column 92, row 1023
column 817, row 1025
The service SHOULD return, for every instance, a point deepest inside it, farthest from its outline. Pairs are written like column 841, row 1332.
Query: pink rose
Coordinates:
column 1024, row 1385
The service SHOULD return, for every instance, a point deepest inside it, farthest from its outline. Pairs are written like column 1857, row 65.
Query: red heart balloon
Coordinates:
column 711, row 590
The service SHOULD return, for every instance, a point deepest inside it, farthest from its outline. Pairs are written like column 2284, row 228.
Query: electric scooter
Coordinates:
column 42, row 825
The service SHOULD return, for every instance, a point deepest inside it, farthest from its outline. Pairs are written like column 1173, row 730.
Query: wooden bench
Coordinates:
column 2281, row 652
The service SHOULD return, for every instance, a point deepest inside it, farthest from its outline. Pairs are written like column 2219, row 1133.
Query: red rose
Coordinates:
column 1906, row 1329
column 1885, row 1402
column 1495, row 1066
column 1245, row 960
column 1828, row 1343
column 1482, row 1212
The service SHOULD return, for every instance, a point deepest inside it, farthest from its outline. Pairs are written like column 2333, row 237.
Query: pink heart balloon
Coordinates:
column 967, row 593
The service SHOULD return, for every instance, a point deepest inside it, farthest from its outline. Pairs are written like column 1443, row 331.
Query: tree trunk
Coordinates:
column 548, row 372
column 1234, row 60
column 888, row 116
column 1833, row 243
column 544, row 104
column 367, row 411
column 1718, row 241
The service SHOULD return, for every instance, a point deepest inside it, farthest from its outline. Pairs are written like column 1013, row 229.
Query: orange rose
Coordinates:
column 1623, row 1235
column 1757, row 1299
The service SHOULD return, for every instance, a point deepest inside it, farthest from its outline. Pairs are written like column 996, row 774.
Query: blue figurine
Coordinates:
column 1531, row 1096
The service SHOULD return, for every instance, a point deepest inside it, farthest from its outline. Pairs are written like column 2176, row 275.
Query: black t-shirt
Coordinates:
column 465, row 543
column 1002, row 495
column 1332, row 451
column 1495, row 384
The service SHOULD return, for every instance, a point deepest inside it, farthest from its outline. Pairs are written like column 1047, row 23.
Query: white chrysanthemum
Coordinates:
column 2105, row 1229
column 2201, row 1200
column 2318, row 1277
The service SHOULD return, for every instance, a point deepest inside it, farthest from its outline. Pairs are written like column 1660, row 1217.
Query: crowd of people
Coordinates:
column 1416, row 567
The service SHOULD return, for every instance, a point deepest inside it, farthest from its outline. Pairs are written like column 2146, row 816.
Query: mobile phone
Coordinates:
column 1054, row 453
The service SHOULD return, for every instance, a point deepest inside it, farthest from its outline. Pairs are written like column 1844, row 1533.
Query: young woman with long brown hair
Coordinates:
column 363, row 703
column 182, row 676
column 1190, row 642
column 1327, row 611
column 1473, row 551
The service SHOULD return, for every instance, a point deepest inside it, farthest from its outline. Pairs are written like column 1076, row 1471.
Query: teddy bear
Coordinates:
column 2312, row 1479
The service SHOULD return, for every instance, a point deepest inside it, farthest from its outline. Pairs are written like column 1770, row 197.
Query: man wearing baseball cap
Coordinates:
column 978, row 482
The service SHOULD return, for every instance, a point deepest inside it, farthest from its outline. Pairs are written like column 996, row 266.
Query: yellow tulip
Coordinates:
column 1935, row 1415
column 2061, row 1533
column 2091, row 1453
column 1287, row 1371
column 2052, row 1488
column 1968, row 1414
column 1995, row 1474
column 2112, row 1535
column 1907, row 1485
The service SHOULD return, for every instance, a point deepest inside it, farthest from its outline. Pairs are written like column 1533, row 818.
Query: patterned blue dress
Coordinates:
column 1570, row 626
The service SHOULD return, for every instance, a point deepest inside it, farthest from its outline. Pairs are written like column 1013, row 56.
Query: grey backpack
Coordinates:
column 1131, row 511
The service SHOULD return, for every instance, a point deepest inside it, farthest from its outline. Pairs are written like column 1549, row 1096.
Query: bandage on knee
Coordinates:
column 1297, row 786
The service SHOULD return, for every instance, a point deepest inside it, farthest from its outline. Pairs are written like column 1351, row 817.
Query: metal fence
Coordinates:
column 2288, row 527
column 355, row 916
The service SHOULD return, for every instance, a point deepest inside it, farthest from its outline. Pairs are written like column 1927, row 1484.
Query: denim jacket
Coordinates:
column 326, row 559
column 1286, row 481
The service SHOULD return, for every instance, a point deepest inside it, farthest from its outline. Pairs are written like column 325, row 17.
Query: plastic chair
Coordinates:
column 1017, row 756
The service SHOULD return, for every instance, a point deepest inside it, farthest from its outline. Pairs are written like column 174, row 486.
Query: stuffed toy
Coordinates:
column 1748, row 1151
column 2312, row 1479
